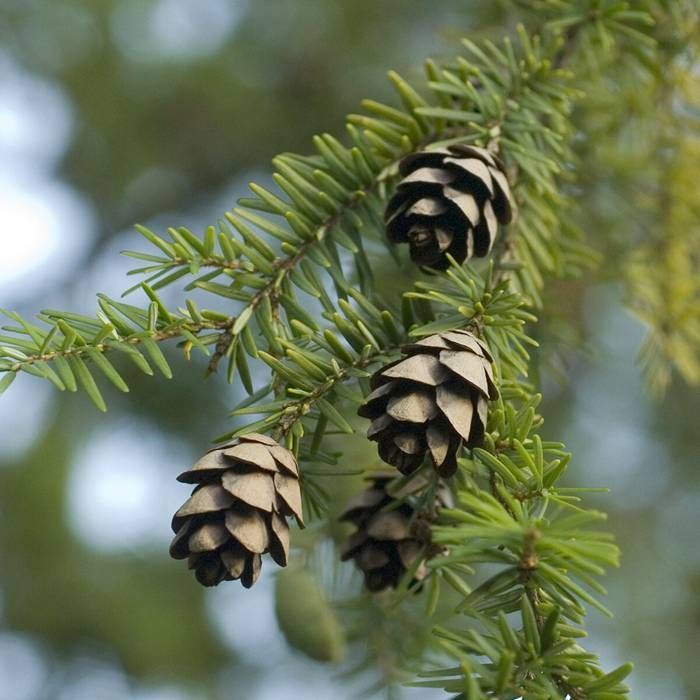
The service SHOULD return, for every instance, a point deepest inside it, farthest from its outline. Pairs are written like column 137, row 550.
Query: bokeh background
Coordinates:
column 160, row 112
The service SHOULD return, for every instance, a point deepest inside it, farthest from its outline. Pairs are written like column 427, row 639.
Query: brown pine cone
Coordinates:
column 433, row 399
column 387, row 540
column 237, row 512
column 449, row 201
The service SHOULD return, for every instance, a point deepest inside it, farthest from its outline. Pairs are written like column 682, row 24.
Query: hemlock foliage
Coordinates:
column 522, row 554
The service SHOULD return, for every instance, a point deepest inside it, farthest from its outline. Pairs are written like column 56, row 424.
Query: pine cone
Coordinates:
column 237, row 512
column 434, row 399
column 449, row 201
column 387, row 540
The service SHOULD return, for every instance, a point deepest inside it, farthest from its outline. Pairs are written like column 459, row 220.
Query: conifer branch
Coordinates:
column 510, row 511
column 346, row 178
column 663, row 288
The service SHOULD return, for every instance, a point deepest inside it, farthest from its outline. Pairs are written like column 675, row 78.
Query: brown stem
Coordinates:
column 221, row 263
column 173, row 331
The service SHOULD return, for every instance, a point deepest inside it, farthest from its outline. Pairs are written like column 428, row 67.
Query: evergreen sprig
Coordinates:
column 663, row 287
column 294, row 267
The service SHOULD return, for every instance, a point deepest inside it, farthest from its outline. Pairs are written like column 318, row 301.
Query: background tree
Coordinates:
column 512, row 95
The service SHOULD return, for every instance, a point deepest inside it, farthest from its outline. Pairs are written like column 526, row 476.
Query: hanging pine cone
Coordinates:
column 388, row 539
column 449, row 201
column 434, row 399
column 237, row 512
